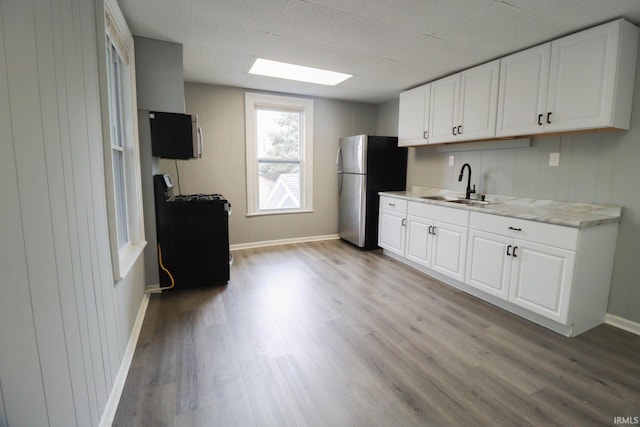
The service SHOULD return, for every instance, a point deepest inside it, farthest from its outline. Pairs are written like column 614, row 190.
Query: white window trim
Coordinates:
column 260, row 99
column 123, row 259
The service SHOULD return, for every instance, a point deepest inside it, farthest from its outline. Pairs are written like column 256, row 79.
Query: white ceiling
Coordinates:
column 389, row 45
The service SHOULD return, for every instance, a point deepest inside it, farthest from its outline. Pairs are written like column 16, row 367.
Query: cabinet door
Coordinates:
column 478, row 102
column 414, row 116
column 582, row 79
column 541, row 278
column 391, row 231
column 524, row 80
column 444, row 109
column 419, row 240
column 449, row 249
column 488, row 265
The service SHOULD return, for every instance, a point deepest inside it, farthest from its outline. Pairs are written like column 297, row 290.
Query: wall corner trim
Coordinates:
column 622, row 323
column 118, row 385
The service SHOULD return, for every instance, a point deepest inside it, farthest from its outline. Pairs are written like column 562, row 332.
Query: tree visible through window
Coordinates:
column 279, row 153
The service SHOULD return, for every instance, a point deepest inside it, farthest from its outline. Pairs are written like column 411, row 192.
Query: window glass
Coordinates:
column 114, row 77
column 279, row 148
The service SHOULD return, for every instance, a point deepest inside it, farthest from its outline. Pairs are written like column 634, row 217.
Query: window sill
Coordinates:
column 128, row 257
column 280, row 212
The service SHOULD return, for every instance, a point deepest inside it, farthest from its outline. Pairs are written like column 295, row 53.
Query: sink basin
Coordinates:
column 456, row 200
column 470, row 202
column 441, row 198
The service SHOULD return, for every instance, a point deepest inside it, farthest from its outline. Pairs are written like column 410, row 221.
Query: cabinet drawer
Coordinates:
column 538, row 232
column 393, row 204
column 439, row 213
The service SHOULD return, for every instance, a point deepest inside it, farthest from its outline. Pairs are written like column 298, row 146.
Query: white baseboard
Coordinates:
column 622, row 323
column 118, row 385
column 266, row 243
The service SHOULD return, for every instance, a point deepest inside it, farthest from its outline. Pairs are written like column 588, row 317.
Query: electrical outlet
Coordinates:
column 554, row 159
column 451, row 160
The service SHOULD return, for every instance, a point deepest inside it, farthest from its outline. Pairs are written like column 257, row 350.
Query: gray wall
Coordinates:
column 159, row 75
column 64, row 323
column 222, row 167
column 159, row 87
column 594, row 168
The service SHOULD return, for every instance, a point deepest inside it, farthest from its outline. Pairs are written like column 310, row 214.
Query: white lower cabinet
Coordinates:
column 437, row 238
column 541, row 279
column 419, row 240
column 392, row 219
column 488, row 266
column 555, row 275
column 531, row 275
column 449, row 249
column 529, row 264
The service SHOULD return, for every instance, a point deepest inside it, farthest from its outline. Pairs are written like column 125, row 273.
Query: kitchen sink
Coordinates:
column 440, row 198
column 471, row 202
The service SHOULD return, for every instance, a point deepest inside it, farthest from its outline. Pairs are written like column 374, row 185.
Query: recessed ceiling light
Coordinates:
column 282, row 70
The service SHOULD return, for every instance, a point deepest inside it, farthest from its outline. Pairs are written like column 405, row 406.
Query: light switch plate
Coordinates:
column 451, row 160
column 554, row 159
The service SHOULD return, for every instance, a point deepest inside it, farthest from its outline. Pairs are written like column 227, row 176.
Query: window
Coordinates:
column 279, row 154
column 122, row 161
column 116, row 122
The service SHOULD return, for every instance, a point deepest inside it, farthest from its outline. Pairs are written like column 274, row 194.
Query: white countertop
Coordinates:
column 577, row 215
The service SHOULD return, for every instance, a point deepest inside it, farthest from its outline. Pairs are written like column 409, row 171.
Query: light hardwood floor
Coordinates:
column 322, row 334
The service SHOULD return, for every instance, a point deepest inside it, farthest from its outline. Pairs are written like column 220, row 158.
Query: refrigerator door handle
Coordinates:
column 339, row 169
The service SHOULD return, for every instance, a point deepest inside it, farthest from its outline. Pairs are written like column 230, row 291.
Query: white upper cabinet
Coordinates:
column 478, row 102
column 413, row 123
column 524, row 79
column 443, row 116
column 463, row 106
column 578, row 82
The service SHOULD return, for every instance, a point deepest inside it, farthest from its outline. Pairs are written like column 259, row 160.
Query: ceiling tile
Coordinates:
column 500, row 29
column 389, row 45
column 580, row 13
column 424, row 17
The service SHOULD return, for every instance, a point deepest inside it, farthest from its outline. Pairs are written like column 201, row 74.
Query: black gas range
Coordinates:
column 193, row 237
column 196, row 198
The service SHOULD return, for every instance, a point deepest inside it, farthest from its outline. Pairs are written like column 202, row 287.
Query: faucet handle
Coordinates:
column 473, row 190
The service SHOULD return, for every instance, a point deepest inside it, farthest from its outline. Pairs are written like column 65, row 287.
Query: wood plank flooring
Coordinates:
column 322, row 334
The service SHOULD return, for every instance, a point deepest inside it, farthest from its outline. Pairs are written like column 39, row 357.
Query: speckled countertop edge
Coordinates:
column 577, row 215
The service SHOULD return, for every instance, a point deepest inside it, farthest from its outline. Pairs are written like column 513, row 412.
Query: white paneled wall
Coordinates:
column 64, row 323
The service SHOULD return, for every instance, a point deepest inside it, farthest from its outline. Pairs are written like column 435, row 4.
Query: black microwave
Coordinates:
column 175, row 136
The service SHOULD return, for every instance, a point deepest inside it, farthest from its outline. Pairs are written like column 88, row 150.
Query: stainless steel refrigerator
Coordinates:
column 366, row 165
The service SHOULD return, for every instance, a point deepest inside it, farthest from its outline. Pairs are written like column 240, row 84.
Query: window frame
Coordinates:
column 124, row 140
column 261, row 101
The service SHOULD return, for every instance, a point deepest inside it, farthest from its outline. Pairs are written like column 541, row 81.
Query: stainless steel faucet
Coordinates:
column 469, row 189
